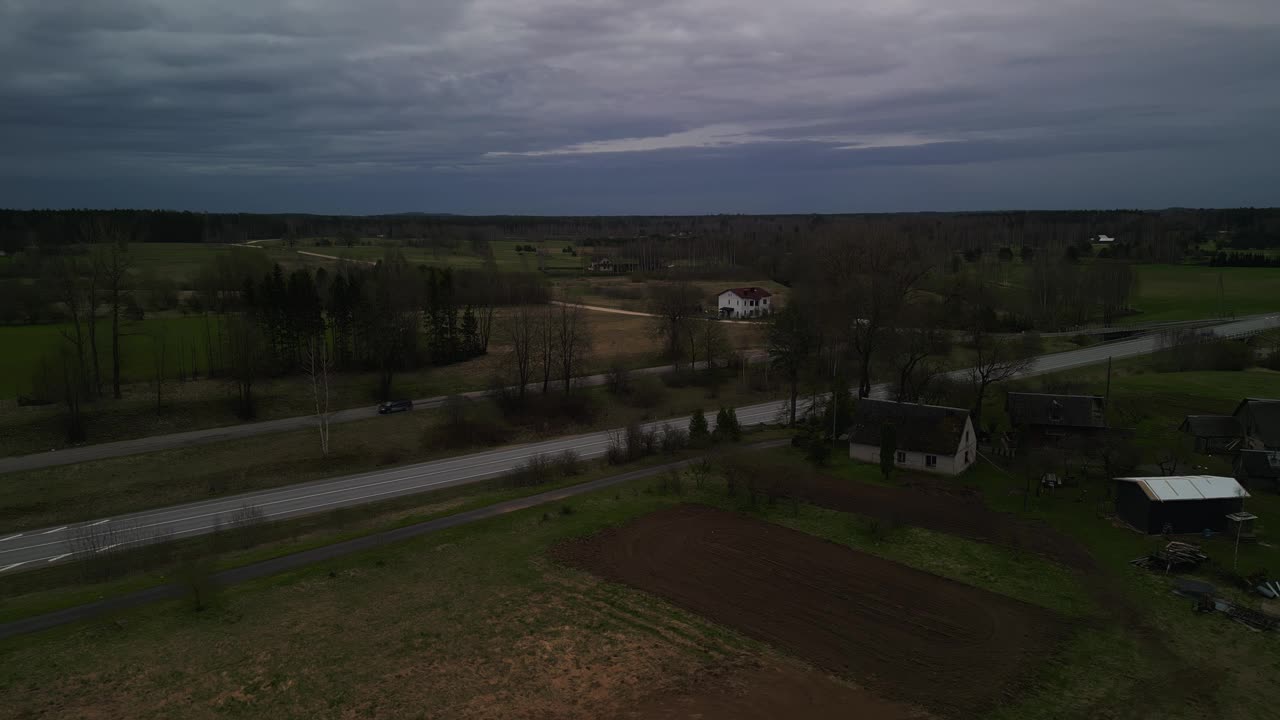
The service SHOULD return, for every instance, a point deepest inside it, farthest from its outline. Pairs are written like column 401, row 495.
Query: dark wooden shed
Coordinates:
column 1185, row 504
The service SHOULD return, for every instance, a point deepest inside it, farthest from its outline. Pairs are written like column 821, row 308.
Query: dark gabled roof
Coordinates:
column 1263, row 419
column 1258, row 463
column 1083, row 411
column 750, row 293
column 1211, row 426
column 919, row 428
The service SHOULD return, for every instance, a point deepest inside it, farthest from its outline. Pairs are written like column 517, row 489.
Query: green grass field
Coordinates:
column 1190, row 292
column 26, row 345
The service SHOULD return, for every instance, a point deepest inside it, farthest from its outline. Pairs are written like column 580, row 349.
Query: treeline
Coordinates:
column 766, row 243
column 386, row 318
column 1239, row 259
column 261, row 321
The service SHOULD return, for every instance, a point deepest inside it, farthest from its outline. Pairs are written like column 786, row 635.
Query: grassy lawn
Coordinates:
column 102, row 488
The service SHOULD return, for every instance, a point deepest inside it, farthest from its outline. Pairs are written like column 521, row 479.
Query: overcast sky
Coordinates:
column 638, row 106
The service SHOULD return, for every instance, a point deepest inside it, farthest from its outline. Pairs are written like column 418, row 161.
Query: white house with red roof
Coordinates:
column 744, row 302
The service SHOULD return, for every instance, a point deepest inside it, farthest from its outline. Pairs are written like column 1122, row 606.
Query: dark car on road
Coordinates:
column 395, row 406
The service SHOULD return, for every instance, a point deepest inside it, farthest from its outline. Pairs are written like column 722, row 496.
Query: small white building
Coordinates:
column 928, row 438
column 1105, row 239
column 744, row 302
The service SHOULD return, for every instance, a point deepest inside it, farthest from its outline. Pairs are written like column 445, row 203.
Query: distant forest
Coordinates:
column 768, row 243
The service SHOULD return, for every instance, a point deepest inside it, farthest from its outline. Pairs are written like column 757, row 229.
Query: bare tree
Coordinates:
column 997, row 359
column 547, row 350
column 245, row 356
column 70, row 287
column 714, row 342
column 911, row 352
column 114, row 264
column 872, row 279
column 159, row 347
column 672, row 303
column 573, row 341
column 522, row 332
column 792, row 346
column 319, row 363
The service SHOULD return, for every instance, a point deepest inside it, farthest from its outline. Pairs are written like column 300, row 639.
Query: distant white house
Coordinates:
column 928, row 438
column 1105, row 239
column 744, row 302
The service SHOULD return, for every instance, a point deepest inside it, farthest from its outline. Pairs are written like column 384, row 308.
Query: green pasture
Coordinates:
column 24, row 347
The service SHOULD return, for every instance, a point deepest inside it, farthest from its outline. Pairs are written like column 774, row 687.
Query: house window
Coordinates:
column 902, row 456
column 966, row 457
column 931, row 461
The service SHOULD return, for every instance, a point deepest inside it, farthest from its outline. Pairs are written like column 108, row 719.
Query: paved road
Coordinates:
column 329, row 552
column 153, row 443
column 22, row 551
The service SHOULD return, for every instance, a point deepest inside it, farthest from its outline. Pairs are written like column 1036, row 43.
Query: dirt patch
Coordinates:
column 765, row 693
column 905, row 634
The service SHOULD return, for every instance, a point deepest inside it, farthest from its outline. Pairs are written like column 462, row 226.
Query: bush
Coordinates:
column 1272, row 361
column 618, row 379
column 673, row 439
column 569, row 463
column 647, row 392
column 467, row 424
column 537, row 470
column 679, row 379
column 727, row 427
column 699, row 432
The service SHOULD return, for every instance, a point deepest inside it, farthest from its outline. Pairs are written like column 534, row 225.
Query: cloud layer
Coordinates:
column 637, row 105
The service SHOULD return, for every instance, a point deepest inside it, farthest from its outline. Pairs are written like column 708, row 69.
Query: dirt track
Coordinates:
column 906, row 634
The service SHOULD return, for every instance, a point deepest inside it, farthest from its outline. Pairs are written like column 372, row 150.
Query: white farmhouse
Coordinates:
column 744, row 302
column 928, row 438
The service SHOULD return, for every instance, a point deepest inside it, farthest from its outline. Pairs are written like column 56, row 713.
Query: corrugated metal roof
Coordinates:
column 1189, row 487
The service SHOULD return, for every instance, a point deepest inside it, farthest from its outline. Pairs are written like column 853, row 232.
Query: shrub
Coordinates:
column 673, row 439
column 727, row 427
column 699, row 432
column 647, row 392
column 618, row 379
column 616, row 453
column 569, row 463
column 537, row 470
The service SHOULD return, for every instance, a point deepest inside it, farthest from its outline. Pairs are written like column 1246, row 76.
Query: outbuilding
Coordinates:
column 1178, row 504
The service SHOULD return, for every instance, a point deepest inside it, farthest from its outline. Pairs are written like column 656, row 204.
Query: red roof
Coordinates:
column 750, row 293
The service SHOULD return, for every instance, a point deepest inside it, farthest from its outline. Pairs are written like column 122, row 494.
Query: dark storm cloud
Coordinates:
column 633, row 105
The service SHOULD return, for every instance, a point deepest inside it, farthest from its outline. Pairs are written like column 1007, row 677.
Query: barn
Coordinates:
column 1180, row 504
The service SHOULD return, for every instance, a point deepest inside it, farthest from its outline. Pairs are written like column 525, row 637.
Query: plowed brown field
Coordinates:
column 906, row 634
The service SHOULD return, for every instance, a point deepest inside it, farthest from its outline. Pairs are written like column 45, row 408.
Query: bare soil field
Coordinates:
column 906, row 634
column 771, row 692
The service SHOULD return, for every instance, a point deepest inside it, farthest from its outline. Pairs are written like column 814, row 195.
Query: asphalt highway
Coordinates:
column 38, row 548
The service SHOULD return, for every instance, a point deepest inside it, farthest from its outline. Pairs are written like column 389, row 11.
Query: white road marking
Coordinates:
column 10, row 567
column 108, row 547
column 100, row 522
column 50, row 532
column 56, row 558
column 12, row 537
